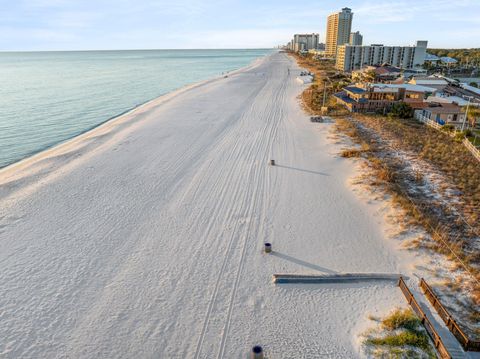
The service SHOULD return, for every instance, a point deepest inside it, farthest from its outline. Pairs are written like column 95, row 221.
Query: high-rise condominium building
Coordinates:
column 304, row 42
column 351, row 58
column 356, row 38
column 339, row 26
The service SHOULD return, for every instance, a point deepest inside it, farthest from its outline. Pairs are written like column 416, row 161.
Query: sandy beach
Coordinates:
column 143, row 238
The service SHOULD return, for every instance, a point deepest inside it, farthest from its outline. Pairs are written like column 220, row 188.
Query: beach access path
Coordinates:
column 143, row 238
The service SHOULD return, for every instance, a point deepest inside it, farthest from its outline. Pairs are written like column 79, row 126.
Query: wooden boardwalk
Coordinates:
column 334, row 278
column 445, row 342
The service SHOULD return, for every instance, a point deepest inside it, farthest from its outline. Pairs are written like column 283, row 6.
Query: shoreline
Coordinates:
column 111, row 122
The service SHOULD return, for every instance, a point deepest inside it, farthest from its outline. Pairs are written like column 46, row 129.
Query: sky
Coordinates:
column 159, row 24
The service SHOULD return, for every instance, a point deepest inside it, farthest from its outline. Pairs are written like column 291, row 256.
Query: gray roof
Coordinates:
column 408, row 87
column 354, row 89
column 448, row 60
column 430, row 57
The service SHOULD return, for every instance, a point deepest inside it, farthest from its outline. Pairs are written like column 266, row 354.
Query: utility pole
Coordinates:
column 324, row 91
column 466, row 113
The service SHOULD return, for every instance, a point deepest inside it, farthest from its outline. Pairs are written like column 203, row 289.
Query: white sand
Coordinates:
column 144, row 237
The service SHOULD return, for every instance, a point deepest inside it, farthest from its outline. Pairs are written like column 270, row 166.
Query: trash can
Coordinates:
column 268, row 247
column 257, row 352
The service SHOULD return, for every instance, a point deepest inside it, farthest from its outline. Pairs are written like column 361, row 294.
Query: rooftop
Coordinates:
column 437, row 107
column 471, row 89
column 386, row 70
column 408, row 87
column 430, row 57
column 424, row 80
column 448, row 99
column 355, row 89
column 343, row 96
column 448, row 60
column 358, row 89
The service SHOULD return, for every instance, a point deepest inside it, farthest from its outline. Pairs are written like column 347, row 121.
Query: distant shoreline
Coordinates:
column 113, row 50
column 101, row 122
column 109, row 123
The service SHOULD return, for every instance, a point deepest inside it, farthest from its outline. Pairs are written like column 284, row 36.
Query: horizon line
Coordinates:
column 146, row 49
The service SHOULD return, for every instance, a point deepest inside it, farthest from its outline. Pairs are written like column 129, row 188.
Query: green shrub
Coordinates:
column 405, row 319
column 401, row 110
column 459, row 136
column 448, row 127
column 410, row 338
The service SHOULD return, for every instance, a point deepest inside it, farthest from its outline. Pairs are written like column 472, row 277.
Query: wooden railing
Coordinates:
column 428, row 122
column 467, row 344
column 474, row 150
column 437, row 341
column 466, row 142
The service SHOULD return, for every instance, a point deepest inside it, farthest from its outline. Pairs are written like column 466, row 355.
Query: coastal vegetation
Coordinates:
column 399, row 335
column 326, row 79
column 401, row 110
column 434, row 180
column 402, row 156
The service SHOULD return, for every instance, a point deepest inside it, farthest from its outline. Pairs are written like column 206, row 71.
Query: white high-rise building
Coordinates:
column 339, row 26
column 305, row 42
column 356, row 38
column 351, row 58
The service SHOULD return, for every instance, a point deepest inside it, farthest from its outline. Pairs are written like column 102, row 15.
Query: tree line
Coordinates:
column 462, row 55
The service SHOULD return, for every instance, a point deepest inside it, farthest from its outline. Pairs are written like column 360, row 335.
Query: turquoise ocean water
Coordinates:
column 49, row 97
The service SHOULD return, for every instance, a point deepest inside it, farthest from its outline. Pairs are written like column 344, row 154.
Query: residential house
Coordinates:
column 381, row 97
column 383, row 74
column 441, row 113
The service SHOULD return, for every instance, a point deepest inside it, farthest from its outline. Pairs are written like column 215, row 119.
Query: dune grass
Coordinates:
column 406, row 338
column 450, row 235
column 401, row 335
column 399, row 319
column 431, row 214
column 449, row 157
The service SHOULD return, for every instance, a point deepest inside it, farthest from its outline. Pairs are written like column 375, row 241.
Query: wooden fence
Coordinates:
column 427, row 121
column 437, row 341
column 467, row 344
column 469, row 146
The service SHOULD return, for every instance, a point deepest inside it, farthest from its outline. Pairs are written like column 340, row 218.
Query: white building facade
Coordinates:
column 305, row 42
column 354, row 57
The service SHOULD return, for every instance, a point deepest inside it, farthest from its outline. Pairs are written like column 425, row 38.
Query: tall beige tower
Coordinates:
column 339, row 26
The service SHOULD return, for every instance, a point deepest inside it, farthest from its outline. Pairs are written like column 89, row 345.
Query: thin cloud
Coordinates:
column 74, row 19
column 94, row 24
column 403, row 11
